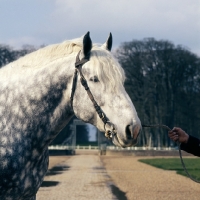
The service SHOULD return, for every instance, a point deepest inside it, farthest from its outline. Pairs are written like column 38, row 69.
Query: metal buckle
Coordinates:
column 110, row 133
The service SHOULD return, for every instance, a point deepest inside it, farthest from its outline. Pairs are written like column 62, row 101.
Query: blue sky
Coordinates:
column 38, row 22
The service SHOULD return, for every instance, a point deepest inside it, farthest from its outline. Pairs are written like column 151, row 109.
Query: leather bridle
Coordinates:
column 78, row 70
column 108, row 133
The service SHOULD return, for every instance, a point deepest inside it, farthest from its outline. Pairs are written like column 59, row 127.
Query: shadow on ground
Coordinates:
column 118, row 193
column 115, row 190
column 52, row 172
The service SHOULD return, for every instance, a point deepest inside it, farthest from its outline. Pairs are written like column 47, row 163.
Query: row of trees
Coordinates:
column 163, row 81
column 7, row 54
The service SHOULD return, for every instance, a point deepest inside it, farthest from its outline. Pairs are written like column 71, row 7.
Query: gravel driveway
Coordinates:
column 144, row 182
column 93, row 177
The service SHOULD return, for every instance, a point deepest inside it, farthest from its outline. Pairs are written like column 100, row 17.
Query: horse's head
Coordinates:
column 105, row 79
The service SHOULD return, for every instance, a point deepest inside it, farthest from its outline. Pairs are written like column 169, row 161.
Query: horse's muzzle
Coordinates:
column 130, row 137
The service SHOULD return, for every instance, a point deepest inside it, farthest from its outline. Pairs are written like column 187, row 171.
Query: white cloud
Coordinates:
column 128, row 19
column 177, row 21
column 17, row 43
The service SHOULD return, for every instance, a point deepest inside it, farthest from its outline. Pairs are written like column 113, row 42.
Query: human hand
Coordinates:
column 178, row 135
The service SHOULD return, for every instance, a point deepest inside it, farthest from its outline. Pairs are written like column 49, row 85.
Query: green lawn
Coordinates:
column 192, row 165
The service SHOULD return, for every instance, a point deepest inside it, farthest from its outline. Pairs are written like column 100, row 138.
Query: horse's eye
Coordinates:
column 94, row 79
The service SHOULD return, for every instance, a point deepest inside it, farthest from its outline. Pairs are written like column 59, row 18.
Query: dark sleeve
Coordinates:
column 192, row 146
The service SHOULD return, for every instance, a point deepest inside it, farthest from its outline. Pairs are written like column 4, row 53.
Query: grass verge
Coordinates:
column 192, row 165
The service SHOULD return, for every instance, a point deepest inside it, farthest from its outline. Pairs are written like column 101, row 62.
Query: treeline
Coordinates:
column 8, row 54
column 163, row 81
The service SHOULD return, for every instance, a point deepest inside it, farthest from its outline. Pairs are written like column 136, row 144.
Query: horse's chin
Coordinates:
column 118, row 142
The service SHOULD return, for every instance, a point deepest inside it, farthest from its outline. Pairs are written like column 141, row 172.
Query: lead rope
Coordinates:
column 179, row 149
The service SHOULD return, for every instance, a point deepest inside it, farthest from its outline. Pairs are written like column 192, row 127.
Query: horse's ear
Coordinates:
column 87, row 44
column 108, row 44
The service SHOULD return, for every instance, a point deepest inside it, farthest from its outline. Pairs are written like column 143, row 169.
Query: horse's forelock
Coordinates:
column 108, row 70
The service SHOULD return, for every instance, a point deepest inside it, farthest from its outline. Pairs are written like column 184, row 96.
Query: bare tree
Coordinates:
column 163, row 83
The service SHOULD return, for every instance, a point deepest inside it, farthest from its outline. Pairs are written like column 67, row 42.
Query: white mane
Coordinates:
column 106, row 67
column 49, row 53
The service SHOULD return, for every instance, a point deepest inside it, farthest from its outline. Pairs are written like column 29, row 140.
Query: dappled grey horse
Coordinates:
column 40, row 93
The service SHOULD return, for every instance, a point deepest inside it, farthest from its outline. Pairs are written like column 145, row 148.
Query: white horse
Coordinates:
column 35, row 106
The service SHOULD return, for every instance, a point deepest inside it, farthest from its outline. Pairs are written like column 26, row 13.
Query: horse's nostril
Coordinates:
column 132, row 132
column 129, row 132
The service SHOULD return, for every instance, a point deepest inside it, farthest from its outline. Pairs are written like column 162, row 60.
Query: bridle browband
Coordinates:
column 78, row 69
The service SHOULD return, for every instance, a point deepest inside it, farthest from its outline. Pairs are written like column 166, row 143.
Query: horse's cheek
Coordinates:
column 82, row 106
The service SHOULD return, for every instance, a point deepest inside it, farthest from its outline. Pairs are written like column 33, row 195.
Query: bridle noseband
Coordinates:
column 78, row 69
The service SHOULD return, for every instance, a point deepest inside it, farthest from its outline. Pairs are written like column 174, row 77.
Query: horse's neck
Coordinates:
column 56, row 97
column 42, row 96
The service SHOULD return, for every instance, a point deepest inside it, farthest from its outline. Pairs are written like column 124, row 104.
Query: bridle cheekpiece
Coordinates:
column 78, row 70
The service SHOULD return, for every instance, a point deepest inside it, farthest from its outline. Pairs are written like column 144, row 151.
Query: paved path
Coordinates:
column 83, row 178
